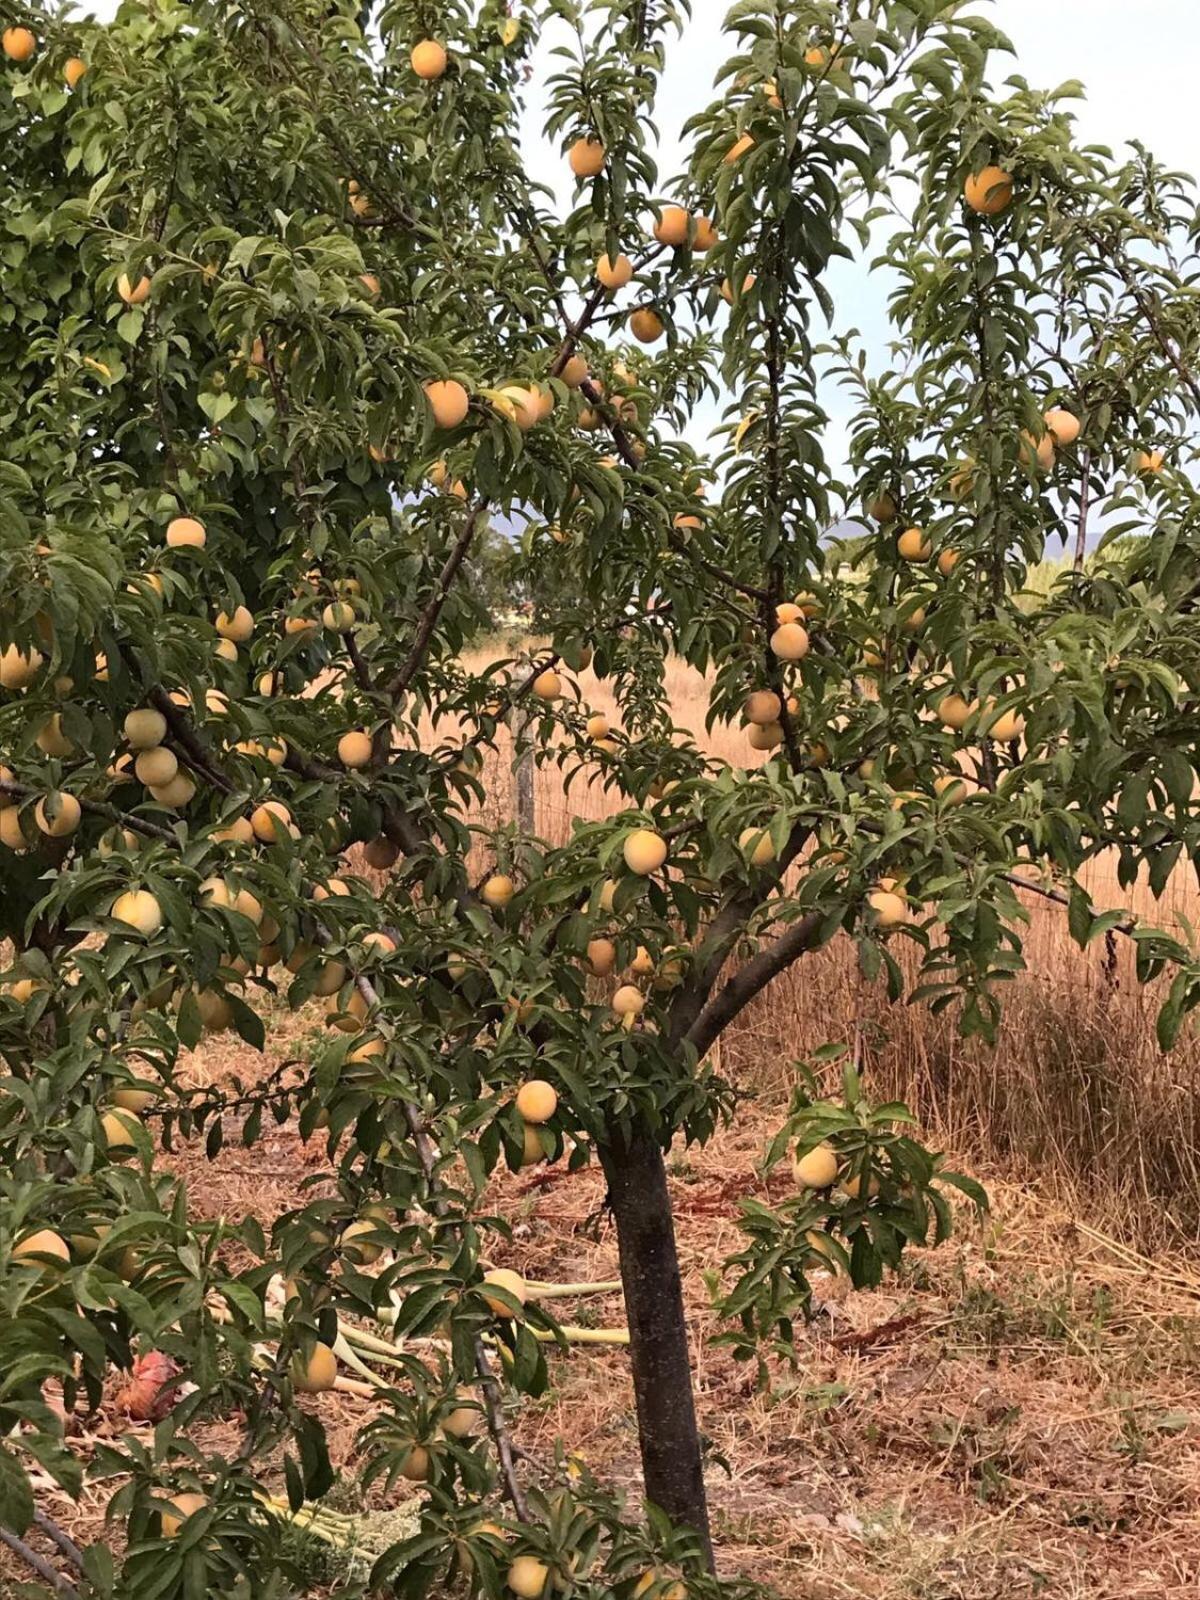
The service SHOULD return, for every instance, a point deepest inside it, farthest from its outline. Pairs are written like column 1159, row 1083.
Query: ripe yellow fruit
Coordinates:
column 523, row 404
column 673, row 226
column 354, row 749
column 462, row 1422
column 1039, row 451
column 704, row 235
column 1062, row 426
column 947, row 561
column 601, row 957
column 239, row 627
column 586, row 157
column 370, row 283
column 955, row 712
column 359, row 1243
column 271, row 821
column 883, row 507
column 989, row 191
column 156, row 767
column 757, row 844
column 1145, row 461
column 765, row 735
column 672, row 1591
column 512, row 1282
column 537, row 1101
column 186, row 1505
column 12, row 834
column 597, row 726
column 416, row 1464
column 614, row 274
column 131, row 1099
column 497, row 891
column 134, row 294
column 316, row 1374
column 738, row 149
column 119, row 1131
column 790, row 641
column 890, row 909
column 138, row 909
column 368, row 1050
column 646, row 325
column 45, row 1242
column 642, row 964
column 176, row 793
column 788, row 612
column 628, row 1001
column 52, row 739
column 547, row 685
column 728, row 293
column 186, row 533
column 816, row 1169
column 145, row 729
column 951, row 788
column 449, row 402
column 216, row 1014
column 853, row 1186
column 66, row 814
column 912, row 545
column 18, row 43
column 428, row 59
column 1007, row 726
column 527, row 1577
column 19, row 667
column 238, row 831
column 644, row 851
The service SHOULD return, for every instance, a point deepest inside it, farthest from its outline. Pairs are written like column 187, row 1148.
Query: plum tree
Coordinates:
column 286, row 325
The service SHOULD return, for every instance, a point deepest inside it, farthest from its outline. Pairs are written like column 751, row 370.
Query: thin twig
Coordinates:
column 98, row 808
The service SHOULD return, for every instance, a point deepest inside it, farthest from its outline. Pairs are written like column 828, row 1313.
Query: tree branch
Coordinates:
column 751, row 978
column 433, row 610
column 42, row 1567
column 65, row 1544
column 151, row 830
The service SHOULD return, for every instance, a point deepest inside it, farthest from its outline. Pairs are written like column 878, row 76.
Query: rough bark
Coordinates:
column 672, row 1464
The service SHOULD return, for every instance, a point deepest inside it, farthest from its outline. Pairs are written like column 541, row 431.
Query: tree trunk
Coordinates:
column 672, row 1466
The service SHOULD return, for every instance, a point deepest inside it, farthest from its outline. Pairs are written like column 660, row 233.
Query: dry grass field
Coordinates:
column 1076, row 1095
column 1016, row 1416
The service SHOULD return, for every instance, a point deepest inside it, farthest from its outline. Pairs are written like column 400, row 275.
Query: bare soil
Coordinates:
column 1017, row 1416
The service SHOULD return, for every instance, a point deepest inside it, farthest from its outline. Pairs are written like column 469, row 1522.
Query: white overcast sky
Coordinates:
column 1137, row 60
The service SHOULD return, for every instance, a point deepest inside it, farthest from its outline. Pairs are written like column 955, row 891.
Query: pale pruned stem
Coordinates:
column 1085, row 485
